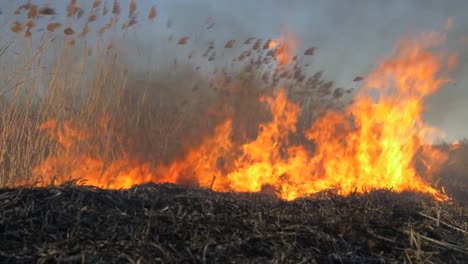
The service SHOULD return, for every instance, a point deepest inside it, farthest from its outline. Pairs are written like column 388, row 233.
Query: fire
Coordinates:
column 69, row 163
column 379, row 145
column 372, row 144
column 283, row 48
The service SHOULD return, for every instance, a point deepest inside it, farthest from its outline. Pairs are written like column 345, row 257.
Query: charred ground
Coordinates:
column 156, row 116
column 173, row 224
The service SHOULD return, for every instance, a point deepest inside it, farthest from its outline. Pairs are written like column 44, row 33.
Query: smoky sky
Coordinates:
column 350, row 36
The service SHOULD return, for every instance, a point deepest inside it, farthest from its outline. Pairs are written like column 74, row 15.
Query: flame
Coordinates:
column 283, row 48
column 381, row 136
column 69, row 163
column 372, row 144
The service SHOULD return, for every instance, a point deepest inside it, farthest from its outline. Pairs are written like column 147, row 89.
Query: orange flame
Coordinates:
column 379, row 150
column 283, row 48
column 372, row 144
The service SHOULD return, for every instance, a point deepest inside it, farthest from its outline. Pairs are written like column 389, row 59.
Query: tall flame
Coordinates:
column 382, row 135
column 372, row 144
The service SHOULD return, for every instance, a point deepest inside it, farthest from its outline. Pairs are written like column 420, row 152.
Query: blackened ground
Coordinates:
column 172, row 224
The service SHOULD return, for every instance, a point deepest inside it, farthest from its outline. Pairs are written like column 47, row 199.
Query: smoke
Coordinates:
column 350, row 37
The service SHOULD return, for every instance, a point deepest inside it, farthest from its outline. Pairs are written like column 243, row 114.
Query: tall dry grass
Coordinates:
column 61, row 85
column 61, row 80
column 78, row 77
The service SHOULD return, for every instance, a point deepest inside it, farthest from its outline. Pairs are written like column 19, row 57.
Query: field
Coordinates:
column 173, row 224
column 189, row 150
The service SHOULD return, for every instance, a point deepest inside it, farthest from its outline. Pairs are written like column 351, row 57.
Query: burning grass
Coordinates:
column 372, row 143
column 88, row 113
column 258, row 121
column 174, row 224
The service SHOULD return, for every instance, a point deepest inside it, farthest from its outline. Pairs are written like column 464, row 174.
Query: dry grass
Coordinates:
column 173, row 224
column 94, row 82
column 83, row 78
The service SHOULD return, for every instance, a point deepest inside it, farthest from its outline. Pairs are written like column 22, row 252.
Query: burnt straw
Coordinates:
column 167, row 223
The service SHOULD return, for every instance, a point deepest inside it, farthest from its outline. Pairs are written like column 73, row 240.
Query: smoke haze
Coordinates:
column 350, row 36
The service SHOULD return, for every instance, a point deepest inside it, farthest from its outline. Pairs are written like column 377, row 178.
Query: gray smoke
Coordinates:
column 350, row 36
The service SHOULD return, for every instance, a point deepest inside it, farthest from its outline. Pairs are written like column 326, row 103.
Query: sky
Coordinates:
column 350, row 36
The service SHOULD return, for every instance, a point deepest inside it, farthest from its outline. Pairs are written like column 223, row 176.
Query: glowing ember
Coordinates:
column 283, row 48
column 370, row 145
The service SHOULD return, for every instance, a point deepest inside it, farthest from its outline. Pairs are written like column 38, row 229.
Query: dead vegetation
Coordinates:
column 155, row 117
column 173, row 224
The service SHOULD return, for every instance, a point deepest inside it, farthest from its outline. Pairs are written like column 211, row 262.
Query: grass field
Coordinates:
column 72, row 90
column 81, row 99
column 173, row 224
